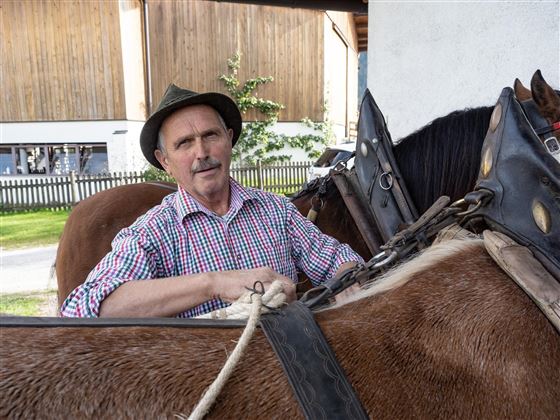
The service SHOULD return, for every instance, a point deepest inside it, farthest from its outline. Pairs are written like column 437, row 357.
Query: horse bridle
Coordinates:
column 542, row 127
column 320, row 184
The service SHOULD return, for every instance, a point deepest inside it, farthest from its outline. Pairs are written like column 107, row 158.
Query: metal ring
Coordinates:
column 467, row 212
column 388, row 259
column 322, row 203
column 389, row 181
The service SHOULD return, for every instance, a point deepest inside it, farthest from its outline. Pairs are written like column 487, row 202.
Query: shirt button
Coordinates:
column 238, row 256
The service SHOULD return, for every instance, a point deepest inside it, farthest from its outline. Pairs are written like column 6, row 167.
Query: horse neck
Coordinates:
column 443, row 157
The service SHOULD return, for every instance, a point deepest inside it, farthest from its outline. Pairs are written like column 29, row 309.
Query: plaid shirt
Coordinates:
column 180, row 236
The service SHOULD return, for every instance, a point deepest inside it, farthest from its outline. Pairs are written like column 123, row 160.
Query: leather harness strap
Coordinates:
column 395, row 183
column 350, row 191
column 55, row 322
column 527, row 272
column 318, row 381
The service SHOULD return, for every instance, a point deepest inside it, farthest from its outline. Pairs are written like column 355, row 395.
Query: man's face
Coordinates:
column 197, row 152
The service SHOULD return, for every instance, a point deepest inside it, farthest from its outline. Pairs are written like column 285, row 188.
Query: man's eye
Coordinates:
column 183, row 144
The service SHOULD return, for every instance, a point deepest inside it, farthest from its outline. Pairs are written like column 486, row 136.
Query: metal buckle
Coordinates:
column 553, row 147
column 340, row 166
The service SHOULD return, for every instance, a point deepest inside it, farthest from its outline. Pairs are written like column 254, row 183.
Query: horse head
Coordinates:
column 548, row 102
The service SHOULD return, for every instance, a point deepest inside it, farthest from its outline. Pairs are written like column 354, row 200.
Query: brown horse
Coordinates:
column 446, row 335
column 450, row 336
column 94, row 222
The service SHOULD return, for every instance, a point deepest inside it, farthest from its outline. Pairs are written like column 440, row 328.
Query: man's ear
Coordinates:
column 230, row 136
column 162, row 159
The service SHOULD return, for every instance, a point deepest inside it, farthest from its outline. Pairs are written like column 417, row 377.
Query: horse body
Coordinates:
column 450, row 337
column 93, row 224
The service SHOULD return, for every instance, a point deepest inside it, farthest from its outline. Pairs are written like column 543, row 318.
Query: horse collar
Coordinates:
column 378, row 172
column 522, row 183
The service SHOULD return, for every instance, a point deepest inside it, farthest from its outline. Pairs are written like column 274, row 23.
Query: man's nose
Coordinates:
column 200, row 148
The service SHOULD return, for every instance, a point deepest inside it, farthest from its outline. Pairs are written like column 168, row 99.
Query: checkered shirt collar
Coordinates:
column 186, row 204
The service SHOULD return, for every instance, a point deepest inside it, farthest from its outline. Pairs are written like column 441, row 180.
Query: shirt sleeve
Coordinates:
column 131, row 258
column 318, row 255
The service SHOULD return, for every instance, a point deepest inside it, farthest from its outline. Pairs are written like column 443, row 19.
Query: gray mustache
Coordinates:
column 204, row 165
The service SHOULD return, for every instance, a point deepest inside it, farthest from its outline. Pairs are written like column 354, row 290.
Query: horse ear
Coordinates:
column 546, row 98
column 521, row 92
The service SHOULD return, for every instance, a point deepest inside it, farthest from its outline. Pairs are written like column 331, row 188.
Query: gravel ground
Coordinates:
column 27, row 269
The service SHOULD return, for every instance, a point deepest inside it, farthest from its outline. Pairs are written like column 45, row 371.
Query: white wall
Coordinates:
column 426, row 59
column 123, row 149
column 59, row 131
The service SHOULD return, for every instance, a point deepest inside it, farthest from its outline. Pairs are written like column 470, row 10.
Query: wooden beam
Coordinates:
column 355, row 6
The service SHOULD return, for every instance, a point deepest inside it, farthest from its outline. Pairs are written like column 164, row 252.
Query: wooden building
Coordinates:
column 80, row 77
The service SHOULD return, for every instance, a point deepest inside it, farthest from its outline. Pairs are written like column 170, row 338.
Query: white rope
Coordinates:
column 274, row 297
column 250, row 304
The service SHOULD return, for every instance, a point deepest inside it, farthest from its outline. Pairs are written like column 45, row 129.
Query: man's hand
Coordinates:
column 345, row 294
column 230, row 285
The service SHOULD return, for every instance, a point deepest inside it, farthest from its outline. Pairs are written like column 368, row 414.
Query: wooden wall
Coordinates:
column 61, row 60
column 190, row 43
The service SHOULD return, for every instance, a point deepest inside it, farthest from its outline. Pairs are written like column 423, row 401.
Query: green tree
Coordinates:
column 257, row 141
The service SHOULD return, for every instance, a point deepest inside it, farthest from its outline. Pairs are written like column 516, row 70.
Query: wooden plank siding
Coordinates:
column 61, row 60
column 190, row 42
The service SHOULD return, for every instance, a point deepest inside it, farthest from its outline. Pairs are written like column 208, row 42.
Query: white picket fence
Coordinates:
column 62, row 192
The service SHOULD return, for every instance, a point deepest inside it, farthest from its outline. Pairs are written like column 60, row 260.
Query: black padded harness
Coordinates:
column 518, row 179
column 378, row 173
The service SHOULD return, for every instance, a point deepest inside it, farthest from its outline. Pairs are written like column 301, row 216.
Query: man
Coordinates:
column 205, row 244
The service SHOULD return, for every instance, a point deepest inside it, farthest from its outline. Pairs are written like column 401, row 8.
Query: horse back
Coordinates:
column 458, row 339
column 93, row 224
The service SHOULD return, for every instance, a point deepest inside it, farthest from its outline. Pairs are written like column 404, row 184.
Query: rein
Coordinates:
column 542, row 127
column 317, row 202
column 404, row 243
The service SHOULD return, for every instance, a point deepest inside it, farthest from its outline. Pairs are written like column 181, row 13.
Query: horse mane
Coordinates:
column 443, row 157
column 402, row 273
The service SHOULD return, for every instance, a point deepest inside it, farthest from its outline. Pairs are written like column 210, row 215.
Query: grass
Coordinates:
column 29, row 304
column 34, row 228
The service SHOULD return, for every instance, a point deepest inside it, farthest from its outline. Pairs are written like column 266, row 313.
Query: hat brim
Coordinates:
column 223, row 104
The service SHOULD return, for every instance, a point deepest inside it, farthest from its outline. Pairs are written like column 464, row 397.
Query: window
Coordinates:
column 93, row 160
column 7, row 166
column 63, row 160
column 30, row 160
column 60, row 159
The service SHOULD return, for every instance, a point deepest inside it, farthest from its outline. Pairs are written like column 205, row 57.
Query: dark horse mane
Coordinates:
column 443, row 157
